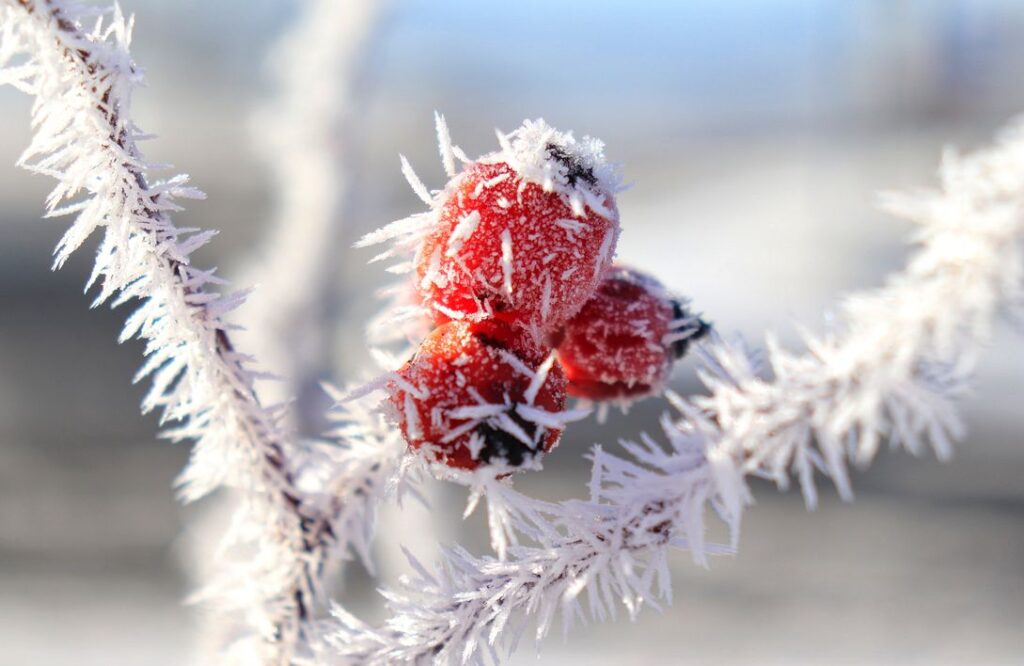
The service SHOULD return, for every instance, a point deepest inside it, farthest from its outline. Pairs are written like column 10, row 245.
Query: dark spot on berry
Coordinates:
column 574, row 170
column 678, row 312
column 502, row 445
column 680, row 347
column 489, row 341
column 496, row 301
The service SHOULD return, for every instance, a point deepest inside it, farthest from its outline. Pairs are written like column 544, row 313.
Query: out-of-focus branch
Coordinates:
column 311, row 137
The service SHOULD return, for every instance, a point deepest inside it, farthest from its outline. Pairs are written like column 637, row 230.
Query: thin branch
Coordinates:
column 312, row 140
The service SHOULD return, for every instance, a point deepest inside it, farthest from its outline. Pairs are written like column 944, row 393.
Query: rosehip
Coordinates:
column 479, row 393
column 524, row 234
column 623, row 342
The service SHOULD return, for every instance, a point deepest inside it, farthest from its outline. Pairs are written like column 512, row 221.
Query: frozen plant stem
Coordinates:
column 82, row 81
column 309, row 134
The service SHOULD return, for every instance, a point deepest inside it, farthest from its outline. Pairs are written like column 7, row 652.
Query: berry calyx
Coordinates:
column 623, row 342
column 522, row 235
column 479, row 393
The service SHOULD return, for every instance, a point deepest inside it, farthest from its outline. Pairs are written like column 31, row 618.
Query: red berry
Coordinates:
column 479, row 393
column 522, row 235
column 623, row 342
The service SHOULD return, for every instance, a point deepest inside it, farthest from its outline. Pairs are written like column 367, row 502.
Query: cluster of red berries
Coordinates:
column 513, row 266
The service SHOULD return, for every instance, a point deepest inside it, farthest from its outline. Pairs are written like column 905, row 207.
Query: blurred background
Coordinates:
column 756, row 135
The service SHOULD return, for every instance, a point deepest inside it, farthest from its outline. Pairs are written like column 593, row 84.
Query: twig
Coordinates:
column 310, row 135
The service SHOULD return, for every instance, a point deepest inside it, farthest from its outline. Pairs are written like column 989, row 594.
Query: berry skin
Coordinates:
column 623, row 342
column 466, row 398
column 507, row 247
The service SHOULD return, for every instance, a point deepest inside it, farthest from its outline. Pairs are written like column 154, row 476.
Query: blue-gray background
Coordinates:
column 756, row 134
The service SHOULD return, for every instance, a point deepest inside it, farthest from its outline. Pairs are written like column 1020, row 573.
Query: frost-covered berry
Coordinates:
column 623, row 342
column 479, row 393
column 523, row 234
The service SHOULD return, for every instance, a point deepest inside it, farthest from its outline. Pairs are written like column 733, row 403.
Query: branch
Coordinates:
column 312, row 141
column 341, row 487
column 891, row 372
column 82, row 81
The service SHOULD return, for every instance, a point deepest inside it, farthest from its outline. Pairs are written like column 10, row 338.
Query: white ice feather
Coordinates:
column 444, row 144
column 507, row 260
column 415, row 183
